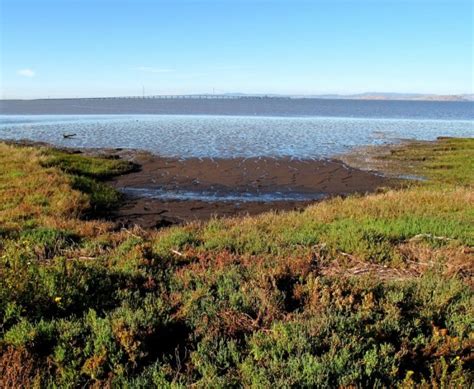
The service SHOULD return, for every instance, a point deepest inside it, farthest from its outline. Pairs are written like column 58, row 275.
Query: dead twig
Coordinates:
column 131, row 233
column 420, row 263
column 428, row 236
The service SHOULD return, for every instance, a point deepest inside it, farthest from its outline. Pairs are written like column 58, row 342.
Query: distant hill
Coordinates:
column 406, row 96
column 374, row 96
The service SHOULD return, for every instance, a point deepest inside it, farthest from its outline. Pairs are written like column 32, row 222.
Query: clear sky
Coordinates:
column 68, row 48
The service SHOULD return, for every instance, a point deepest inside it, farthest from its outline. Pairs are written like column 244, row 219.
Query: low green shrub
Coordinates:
column 275, row 300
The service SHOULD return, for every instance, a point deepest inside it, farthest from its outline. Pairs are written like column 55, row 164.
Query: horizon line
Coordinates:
column 360, row 95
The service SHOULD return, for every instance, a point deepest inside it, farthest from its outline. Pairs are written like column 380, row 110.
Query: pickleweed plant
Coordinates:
column 361, row 291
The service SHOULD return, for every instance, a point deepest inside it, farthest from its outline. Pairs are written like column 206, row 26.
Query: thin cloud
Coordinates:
column 150, row 69
column 26, row 73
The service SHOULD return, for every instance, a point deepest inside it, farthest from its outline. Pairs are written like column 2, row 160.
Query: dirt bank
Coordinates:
column 170, row 190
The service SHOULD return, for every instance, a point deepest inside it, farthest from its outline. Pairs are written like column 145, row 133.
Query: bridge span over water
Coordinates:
column 188, row 97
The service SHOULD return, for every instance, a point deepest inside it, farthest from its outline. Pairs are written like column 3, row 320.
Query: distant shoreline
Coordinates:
column 369, row 96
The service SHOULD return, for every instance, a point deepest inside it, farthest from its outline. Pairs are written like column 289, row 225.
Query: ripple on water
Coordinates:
column 227, row 136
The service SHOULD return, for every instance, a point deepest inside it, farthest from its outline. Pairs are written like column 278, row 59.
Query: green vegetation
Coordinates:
column 449, row 161
column 365, row 291
column 93, row 167
column 86, row 174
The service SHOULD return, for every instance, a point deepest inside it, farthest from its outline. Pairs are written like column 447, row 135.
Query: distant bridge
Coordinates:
column 181, row 97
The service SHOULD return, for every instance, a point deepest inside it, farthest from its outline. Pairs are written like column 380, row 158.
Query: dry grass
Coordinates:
column 31, row 194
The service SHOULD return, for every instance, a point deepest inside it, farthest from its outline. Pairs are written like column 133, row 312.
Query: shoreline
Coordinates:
column 165, row 191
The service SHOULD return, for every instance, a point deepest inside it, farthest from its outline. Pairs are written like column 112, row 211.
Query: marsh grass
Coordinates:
column 89, row 166
column 87, row 174
column 274, row 300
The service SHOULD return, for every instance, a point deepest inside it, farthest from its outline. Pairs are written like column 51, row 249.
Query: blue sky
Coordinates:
column 68, row 48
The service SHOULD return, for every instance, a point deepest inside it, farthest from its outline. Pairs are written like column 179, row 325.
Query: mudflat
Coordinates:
column 167, row 191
